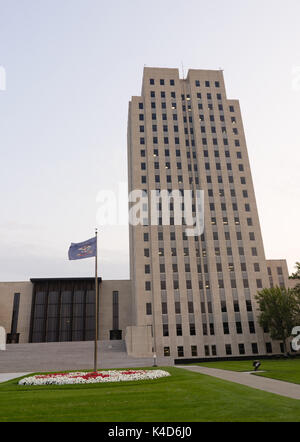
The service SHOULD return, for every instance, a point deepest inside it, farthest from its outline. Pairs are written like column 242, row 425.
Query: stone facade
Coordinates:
column 197, row 292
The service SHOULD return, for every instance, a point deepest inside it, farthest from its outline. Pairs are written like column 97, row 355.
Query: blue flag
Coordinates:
column 86, row 249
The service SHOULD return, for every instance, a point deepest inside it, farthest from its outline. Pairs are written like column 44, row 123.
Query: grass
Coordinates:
column 282, row 369
column 183, row 397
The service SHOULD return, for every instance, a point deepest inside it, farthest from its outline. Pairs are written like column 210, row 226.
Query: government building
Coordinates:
column 189, row 296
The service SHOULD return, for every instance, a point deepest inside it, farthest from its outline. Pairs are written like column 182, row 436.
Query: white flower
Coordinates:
column 90, row 378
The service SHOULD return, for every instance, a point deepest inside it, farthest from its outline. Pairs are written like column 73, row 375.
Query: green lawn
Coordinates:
column 182, row 397
column 283, row 369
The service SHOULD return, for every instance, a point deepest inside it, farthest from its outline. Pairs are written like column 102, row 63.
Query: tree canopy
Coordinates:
column 279, row 312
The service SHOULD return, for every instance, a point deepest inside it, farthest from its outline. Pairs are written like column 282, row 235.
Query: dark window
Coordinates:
column 164, row 308
column 192, row 330
column 180, row 352
column 239, row 328
column 241, row 349
column 179, row 329
column 226, row 328
column 236, row 306
column 269, row 347
column 228, row 349
column 148, row 308
column 167, row 351
column 194, row 350
column 251, row 327
column 15, row 313
column 165, row 330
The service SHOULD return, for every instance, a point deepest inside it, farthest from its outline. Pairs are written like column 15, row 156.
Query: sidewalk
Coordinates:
column 8, row 376
column 261, row 383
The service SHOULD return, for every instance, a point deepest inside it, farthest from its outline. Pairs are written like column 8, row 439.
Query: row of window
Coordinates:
column 212, row 351
column 172, row 235
column 188, row 154
column 186, row 252
column 177, row 307
column 183, row 97
column 189, row 286
column 167, row 166
column 193, row 332
column 180, row 178
column 162, row 82
column 173, row 106
column 187, row 268
column 187, row 144
column 165, row 128
column 190, row 118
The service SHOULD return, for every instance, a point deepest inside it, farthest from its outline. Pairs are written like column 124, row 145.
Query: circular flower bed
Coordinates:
column 93, row 377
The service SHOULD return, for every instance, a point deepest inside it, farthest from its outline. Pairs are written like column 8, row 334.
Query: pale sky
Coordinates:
column 71, row 68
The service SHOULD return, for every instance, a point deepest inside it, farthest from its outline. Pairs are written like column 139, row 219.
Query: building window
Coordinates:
column 239, row 328
column 254, row 348
column 167, row 351
column 194, row 350
column 178, row 329
column 192, row 330
column 180, row 352
column 226, row 328
column 241, row 349
column 259, row 283
column 236, row 306
column 228, row 349
column 165, row 330
column 15, row 314
column 249, row 305
column 164, row 308
column 269, row 347
column 251, row 327
column 206, row 350
column 148, row 308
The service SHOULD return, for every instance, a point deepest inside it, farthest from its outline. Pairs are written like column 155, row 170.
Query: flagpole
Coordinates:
column 96, row 304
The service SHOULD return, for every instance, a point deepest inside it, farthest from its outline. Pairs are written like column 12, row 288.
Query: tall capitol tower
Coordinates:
column 195, row 293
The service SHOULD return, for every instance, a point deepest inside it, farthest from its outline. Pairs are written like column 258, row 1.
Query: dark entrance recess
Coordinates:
column 63, row 310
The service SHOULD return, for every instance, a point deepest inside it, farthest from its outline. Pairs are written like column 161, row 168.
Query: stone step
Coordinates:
column 60, row 356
